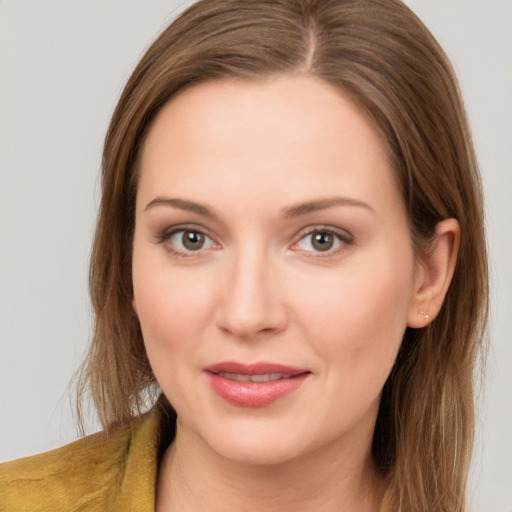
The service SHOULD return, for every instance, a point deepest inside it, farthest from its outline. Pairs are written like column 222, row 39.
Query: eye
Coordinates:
column 186, row 241
column 322, row 241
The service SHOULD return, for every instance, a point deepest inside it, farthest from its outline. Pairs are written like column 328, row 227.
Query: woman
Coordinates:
column 291, row 207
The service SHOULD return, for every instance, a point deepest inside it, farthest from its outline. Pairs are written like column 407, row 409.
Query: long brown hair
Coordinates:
column 381, row 55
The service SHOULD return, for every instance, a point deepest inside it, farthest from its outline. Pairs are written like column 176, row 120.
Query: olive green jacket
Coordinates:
column 98, row 473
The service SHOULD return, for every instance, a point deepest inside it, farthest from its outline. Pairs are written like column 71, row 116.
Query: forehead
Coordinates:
column 294, row 132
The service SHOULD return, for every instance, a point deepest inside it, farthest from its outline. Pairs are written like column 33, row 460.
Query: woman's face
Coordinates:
column 273, row 269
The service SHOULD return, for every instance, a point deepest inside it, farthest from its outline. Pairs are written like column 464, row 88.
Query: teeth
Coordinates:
column 266, row 377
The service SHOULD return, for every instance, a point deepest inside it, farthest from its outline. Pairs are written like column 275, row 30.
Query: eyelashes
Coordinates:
column 193, row 241
column 186, row 241
column 323, row 241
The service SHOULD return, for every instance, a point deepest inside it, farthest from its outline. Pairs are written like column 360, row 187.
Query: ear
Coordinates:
column 434, row 274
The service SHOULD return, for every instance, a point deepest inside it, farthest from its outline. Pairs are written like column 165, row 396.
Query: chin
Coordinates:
column 254, row 442
column 263, row 453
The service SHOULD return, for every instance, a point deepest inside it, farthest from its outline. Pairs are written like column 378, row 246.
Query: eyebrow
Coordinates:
column 323, row 204
column 290, row 212
column 182, row 204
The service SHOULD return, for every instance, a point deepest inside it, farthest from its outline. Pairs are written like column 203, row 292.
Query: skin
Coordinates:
column 260, row 290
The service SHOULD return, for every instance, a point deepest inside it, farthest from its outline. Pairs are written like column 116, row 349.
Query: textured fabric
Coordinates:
column 95, row 474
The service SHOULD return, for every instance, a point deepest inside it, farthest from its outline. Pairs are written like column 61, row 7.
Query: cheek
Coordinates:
column 356, row 320
column 173, row 308
column 167, row 309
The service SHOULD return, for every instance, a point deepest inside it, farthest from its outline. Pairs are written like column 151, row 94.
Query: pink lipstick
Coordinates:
column 254, row 385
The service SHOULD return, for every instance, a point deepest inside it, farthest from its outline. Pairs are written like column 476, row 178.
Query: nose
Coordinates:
column 251, row 301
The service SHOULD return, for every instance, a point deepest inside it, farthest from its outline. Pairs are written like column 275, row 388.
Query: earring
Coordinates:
column 426, row 315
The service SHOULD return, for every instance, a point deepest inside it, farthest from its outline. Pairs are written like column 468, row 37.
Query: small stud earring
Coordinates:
column 426, row 315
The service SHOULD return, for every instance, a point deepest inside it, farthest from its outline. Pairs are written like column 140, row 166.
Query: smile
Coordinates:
column 266, row 377
column 254, row 385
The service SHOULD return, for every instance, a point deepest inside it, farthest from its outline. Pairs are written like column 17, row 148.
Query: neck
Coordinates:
column 192, row 477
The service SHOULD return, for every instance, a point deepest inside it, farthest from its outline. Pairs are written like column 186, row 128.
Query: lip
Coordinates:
column 254, row 394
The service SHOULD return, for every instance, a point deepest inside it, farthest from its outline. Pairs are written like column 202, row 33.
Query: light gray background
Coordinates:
column 62, row 67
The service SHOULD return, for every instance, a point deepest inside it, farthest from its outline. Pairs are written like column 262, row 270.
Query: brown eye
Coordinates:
column 187, row 242
column 192, row 240
column 326, row 241
column 322, row 240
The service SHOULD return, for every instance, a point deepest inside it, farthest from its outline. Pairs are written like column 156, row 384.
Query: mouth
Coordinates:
column 266, row 377
column 254, row 385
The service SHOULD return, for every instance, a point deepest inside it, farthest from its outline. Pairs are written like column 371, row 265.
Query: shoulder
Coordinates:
column 62, row 478
column 86, row 475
